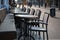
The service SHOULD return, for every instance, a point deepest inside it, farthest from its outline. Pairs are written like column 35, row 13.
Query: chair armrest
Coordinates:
column 37, row 22
column 42, row 23
column 34, row 21
column 40, row 20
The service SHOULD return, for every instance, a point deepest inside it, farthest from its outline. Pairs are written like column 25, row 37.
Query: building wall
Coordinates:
column 4, row 3
column 0, row 3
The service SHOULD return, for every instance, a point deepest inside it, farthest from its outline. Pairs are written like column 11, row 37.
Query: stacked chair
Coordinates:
column 28, row 10
column 42, row 28
column 32, row 12
column 37, row 13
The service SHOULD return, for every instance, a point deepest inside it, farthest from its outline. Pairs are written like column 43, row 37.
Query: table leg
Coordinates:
column 25, row 35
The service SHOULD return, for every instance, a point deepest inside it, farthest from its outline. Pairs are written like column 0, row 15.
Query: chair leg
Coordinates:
column 36, row 31
column 33, row 31
column 30, row 35
column 47, row 35
column 39, row 35
column 38, row 25
column 43, row 36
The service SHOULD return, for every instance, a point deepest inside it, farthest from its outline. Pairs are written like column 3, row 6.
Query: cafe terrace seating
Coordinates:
column 32, row 11
column 43, row 28
column 34, row 22
column 37, row 13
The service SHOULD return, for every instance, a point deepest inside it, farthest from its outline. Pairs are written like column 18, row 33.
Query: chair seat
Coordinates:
column 37, row 29
column 34, row 21
column 31, row 21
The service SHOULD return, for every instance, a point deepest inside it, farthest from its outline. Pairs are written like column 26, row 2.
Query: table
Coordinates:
column 18, row 11
column 26, row 18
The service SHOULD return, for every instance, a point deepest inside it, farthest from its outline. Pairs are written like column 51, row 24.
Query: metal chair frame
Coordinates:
column 44, row 28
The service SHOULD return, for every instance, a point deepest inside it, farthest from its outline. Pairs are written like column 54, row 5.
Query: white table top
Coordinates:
column 18, row 11
column 27, row 16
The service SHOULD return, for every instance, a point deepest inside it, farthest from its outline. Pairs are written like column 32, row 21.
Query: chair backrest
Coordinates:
column 38, row 13
column 24, row 9
column 32, row 11
column 28, row 10
column 45, row 17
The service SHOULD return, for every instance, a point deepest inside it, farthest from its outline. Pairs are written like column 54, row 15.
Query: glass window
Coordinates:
column 2, row 2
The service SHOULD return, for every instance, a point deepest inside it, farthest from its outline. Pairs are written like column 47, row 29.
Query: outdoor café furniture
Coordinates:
column 42, row 28
column 17, row 20
column 28, row 10
column 26, row 18
column 37, row 13
column 32, row 11
column 18, row 11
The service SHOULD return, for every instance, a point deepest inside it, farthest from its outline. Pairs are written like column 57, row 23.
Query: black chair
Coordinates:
column 32, row 22
column 32, row 11
column 24, row 9
column 28, row 10
column 38, row 13
column 44, row 26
